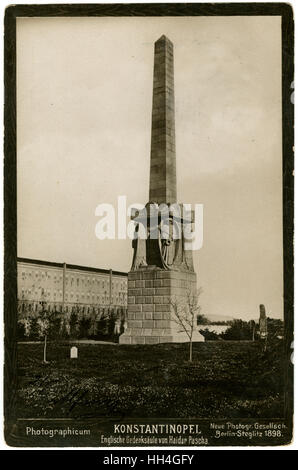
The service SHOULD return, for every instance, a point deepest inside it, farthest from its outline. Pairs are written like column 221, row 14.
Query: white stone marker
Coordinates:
column 74, row 352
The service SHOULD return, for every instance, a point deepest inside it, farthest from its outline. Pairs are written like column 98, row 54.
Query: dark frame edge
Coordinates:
column 10, row 224
column 288, row 205
column 150, row 9
column 284, row 10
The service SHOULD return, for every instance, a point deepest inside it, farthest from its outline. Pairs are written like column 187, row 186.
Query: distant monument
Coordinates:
column 73, row 352
column 162, row 270
column 263, row 322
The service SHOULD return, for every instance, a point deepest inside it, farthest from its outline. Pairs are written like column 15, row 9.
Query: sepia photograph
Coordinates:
column 148, row 225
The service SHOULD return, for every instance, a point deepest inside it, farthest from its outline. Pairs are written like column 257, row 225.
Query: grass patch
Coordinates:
column 225, row 380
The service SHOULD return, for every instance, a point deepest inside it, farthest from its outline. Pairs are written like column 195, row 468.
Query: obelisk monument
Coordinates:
column 263, row 322
column 162, row 270
column 163, row 156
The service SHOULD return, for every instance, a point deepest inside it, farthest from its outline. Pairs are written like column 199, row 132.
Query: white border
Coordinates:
column 3, row 445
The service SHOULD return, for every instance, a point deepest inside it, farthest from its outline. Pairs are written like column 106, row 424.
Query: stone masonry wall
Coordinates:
column 149, row 309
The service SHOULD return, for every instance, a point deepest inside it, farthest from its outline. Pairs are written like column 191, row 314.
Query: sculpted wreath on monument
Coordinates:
column 159, row 238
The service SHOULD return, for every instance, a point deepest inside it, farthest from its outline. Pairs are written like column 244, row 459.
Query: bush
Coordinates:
column 84, row 326
column 64, row 329
column 55, row 327
column 34, row 330
column 74, row 326
column 210, row 335
column 21, row 331
column 239, row 330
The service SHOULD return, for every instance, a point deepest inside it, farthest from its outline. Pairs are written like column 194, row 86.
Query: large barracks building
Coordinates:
column 67, row 288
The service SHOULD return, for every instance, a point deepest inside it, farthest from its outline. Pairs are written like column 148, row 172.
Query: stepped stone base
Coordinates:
column 150, row 291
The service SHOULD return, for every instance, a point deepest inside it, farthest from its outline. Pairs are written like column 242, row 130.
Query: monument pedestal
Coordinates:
column 162, row 271
column 149, row 316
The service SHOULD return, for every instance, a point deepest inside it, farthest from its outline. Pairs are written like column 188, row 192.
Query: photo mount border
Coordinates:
column 10, row 168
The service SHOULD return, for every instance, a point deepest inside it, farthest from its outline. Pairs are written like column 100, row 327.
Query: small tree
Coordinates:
column 202, row 320
column 84, row 327
column 185, row 313
column 102, row 326
column 111, row 323
column 92, row 329
column 275, row 327
column 252, row 325
column 238, row 330
column 48, row 326
column 20, row 330
column 43, row 325
column 64, row 328
column 74, row 326
column 209, row 335
column 33, row 328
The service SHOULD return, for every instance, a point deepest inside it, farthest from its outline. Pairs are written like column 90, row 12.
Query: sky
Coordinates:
column 84, row 100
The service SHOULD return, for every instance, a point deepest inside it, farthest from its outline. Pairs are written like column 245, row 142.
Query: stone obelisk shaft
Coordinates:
column 163, row 154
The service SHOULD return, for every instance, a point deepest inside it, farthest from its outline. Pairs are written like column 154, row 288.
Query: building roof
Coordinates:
column 70, row 266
